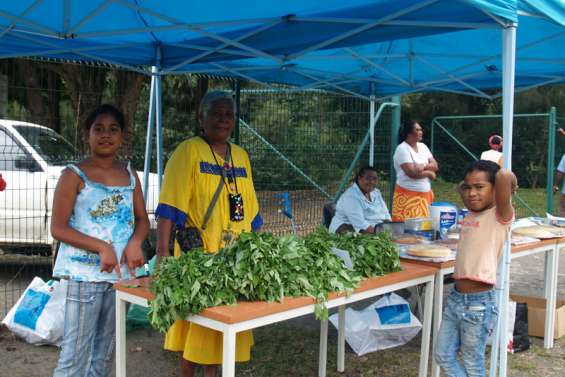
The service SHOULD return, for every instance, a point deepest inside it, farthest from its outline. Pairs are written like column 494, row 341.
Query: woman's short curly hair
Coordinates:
column 211, row 97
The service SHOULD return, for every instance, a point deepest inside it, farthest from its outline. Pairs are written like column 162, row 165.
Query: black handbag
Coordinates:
column 188, row 238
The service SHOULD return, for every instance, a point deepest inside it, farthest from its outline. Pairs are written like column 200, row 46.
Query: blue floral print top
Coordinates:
column 103, row 212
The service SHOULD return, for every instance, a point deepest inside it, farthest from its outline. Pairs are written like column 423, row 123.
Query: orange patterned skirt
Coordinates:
column 407, row 204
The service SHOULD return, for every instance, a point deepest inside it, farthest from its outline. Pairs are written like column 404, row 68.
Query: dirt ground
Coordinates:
column 291, row 348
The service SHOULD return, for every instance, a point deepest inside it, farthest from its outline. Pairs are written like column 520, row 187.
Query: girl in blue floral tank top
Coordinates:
column 99, row 217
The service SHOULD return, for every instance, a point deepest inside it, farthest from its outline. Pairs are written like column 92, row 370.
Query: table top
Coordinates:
column 515, row 249
column 247, row 310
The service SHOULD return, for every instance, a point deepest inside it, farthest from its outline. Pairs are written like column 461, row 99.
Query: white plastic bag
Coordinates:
column 38, row 316
column 509, row 328
column 385, row 324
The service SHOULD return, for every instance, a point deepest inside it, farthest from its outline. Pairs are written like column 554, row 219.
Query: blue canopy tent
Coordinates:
column 172, row 34
column 368, row 48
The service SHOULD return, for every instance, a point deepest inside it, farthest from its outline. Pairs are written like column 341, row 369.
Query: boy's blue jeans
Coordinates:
column 89, row 337
column 468, row 318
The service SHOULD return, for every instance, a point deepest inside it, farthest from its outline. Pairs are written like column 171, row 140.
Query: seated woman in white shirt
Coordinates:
column 361, row 207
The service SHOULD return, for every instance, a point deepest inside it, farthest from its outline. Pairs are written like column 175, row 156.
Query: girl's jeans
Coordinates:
column 467, row 320
column 88, row 342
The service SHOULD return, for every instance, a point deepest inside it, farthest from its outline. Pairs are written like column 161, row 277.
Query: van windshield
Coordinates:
column 51, row 146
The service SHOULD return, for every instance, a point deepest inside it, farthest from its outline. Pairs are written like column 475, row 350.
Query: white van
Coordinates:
column 31, row 160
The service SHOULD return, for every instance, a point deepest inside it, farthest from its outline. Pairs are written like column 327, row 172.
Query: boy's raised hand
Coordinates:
column 504, row 186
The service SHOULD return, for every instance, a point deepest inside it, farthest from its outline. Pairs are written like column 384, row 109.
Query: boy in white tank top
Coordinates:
column 471, row 307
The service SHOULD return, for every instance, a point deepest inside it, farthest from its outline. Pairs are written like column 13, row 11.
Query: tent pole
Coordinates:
column 394, row 128
column 508, row 71
column 237, row 91
column 372, row 122
column 159, row 128
column 360, row 149
column 149, row 137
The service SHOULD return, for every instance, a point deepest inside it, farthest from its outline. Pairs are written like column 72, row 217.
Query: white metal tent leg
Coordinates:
column 372, row 132
column 373, row 123
column 159, row 130
column 149, row 137
column 508, row 70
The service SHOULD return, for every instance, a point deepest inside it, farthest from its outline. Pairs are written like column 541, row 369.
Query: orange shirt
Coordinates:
column 480, row 246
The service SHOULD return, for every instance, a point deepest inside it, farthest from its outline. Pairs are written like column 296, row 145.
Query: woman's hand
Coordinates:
column 430, row 174
column 108, row 260
column 133, row 256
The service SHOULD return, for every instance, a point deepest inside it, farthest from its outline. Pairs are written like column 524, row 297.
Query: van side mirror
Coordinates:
column 27, row 163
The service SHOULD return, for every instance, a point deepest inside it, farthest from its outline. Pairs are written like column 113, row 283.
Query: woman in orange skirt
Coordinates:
column 415, row 167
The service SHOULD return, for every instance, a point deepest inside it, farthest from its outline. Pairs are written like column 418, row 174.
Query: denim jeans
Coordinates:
column 89, row 337
column 468, row 318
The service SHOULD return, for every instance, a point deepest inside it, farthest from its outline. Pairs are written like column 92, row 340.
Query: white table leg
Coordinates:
column 551, row 282
column 341, row 339
column 228, row 361
column 437, row 313
column 426, row 329
column 323, row 348
column 120, row 336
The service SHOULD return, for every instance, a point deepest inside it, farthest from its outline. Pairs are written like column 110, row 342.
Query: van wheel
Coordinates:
column 54, row 251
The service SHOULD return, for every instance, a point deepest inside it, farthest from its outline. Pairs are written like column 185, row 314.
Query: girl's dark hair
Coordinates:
column 406, row 128
column 488, row 167
column 105, row 109
column 363, row 171
column 495, row 142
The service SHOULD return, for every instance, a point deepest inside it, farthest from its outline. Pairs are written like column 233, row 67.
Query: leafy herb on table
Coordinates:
column 265, row 267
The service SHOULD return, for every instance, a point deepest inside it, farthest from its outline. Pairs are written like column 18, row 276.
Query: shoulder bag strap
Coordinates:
column 216, row 195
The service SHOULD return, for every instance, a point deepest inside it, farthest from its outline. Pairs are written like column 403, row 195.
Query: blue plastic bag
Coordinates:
column 32, row 305
column 396, row 314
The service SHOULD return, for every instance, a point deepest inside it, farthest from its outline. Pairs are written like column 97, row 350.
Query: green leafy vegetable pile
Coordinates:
column 265, row 267
column 372, row 255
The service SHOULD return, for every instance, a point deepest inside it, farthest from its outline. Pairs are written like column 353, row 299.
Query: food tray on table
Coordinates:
column 429, row 252
column 540, row 231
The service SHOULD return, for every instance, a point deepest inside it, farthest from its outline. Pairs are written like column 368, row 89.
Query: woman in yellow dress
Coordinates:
column 192, row 176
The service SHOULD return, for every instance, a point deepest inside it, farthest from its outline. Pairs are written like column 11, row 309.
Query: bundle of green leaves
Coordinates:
column 188, row 284
column 260, row 266
column 254, row 267
column 371, row 254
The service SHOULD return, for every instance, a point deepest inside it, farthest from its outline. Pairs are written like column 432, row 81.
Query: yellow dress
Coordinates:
column 190, row 180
